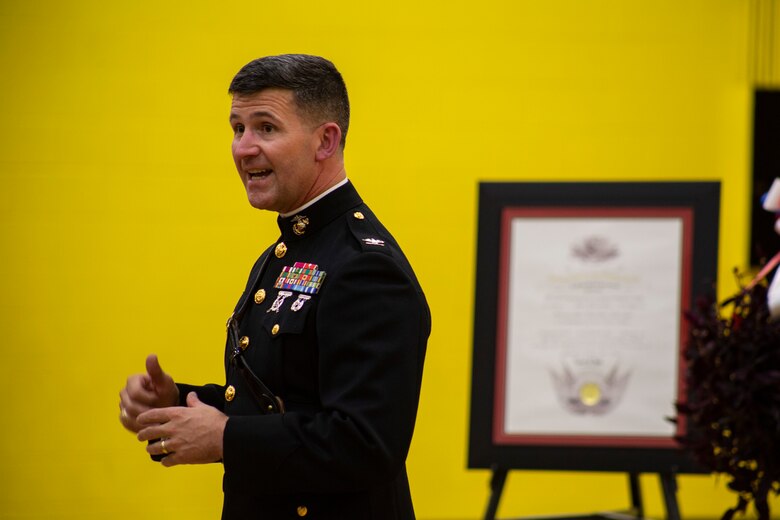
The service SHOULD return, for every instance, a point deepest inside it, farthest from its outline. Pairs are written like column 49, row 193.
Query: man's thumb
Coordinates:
column 192, row 400
column 154, row 370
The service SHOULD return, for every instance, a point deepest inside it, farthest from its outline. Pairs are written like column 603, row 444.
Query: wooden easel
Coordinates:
column 668, row 482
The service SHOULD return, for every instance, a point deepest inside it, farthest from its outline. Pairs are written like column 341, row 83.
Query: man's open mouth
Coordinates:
column 259, row 174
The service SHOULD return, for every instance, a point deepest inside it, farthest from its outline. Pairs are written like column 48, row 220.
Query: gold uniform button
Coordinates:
column 358, row 215
column 243, row 342
column 260, row 296
column 230, row 393
column 302, row 511
column 275, row 329
column 281, row 250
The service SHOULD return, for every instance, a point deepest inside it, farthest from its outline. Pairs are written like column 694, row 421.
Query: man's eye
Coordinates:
column 267, row 128
column 238, row 129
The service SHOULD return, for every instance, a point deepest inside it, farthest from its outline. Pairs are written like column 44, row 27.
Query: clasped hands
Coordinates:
column 189, row 434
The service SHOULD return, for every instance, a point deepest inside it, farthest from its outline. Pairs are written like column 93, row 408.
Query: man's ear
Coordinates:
column 330, row 141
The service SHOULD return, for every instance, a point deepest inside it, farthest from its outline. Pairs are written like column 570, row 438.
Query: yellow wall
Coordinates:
column 124, row 229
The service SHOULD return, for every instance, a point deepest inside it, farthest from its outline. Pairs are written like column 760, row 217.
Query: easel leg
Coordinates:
column 637, row 508
column 496, row 487
column 669, row 488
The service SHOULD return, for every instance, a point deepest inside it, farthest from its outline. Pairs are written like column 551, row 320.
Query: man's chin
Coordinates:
column 260, row 199
column 257, row 202
column 260, row 204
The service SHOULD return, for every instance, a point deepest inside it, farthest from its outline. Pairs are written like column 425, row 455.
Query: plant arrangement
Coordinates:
column 733, row 408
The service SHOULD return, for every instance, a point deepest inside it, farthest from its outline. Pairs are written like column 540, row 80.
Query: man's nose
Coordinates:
column 247, row 146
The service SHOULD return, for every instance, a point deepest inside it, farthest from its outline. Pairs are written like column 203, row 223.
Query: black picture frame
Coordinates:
column 703, row 201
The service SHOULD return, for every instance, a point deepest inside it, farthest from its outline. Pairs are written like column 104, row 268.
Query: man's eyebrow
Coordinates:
column 256, row 115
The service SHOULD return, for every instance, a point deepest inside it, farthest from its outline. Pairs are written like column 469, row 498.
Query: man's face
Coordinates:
column 274, row 149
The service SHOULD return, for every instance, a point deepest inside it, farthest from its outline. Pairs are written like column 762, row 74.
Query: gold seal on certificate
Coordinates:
column 590, row 385
column 590, row 394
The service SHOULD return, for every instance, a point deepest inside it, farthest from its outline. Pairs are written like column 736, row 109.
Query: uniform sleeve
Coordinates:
column 212, row 395
column 372, row 328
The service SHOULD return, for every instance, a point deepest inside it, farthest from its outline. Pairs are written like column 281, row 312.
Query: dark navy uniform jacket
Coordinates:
column 336, row 326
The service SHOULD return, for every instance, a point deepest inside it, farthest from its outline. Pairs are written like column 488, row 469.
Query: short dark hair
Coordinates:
column 318, row 88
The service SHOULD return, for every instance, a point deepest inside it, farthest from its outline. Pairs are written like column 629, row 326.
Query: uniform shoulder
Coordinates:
column 370, row 234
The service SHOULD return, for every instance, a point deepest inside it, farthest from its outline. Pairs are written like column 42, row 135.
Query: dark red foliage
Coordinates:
column 733, row 406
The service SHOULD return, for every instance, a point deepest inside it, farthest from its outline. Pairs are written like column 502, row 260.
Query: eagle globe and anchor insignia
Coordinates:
column 299, row 224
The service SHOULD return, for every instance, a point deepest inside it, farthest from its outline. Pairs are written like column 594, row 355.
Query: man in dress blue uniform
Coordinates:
column 324, row 367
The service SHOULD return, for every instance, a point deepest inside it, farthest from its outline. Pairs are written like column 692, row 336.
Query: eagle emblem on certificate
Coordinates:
column 586, row 388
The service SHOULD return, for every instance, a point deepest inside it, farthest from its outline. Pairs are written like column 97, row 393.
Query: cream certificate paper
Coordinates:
column 593, row 332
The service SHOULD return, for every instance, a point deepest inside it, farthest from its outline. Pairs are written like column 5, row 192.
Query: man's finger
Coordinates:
column 151, row 433
column 126, row 420
column 155, row 416
column 136, row 404
column 155, row 371
column 160, row 446
column 170, row 460
column 140, row 389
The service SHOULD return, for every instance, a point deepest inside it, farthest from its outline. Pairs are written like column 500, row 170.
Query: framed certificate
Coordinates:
column 579, row 324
